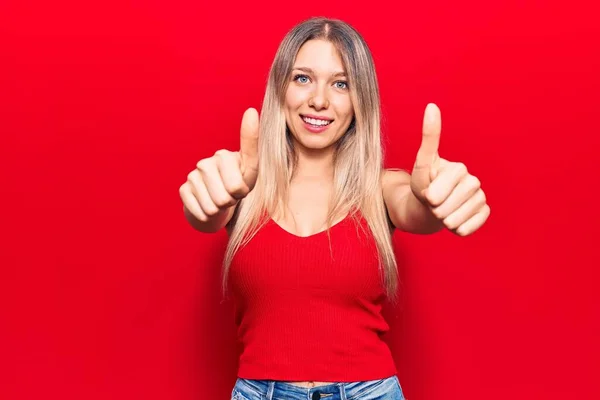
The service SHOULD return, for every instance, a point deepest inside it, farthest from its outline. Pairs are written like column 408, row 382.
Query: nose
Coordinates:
column 318, row 99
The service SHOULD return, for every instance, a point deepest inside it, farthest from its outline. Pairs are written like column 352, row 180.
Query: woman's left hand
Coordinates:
column 453, row 195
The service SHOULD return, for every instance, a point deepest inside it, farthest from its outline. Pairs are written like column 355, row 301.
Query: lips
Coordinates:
column 316, row 120
column 316, row 124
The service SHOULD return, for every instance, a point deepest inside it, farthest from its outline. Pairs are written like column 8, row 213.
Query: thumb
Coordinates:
column 249, row 146
column 427, row 156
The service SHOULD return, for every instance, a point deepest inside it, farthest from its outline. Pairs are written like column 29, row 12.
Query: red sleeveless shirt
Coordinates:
column 309, row 308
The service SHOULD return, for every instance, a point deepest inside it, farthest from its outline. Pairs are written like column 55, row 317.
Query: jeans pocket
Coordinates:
column 242, row 391
column 236, row 394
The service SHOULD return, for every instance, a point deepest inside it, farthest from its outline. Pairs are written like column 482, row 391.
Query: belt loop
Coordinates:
column 342, row 391
column 270, row 390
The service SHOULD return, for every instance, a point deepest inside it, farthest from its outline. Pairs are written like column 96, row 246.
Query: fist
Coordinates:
column 451, row 193
column 220, row 181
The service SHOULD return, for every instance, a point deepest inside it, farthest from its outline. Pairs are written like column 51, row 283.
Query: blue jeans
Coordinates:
column 381, row 389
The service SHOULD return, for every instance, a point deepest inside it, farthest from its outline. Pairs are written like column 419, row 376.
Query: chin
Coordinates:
column 316, row 145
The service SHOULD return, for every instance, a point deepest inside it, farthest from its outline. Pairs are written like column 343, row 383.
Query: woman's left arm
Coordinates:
column 438, row 194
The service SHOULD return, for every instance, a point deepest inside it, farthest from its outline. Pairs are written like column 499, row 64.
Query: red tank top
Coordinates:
column 309, row 309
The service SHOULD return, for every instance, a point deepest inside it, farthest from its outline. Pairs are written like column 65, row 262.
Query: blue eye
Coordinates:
column 301, row 78
column 341, row 85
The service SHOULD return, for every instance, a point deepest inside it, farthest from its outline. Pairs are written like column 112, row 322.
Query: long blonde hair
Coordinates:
column 358, row 157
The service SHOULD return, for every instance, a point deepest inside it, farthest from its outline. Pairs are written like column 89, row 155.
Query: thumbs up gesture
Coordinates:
column 220, row 181
column 452, row 194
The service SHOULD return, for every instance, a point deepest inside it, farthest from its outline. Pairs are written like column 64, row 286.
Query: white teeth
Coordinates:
column 318, row 122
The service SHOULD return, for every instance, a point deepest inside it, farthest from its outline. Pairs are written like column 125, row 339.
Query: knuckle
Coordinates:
column 223, row 201
column 220, row 203
column 438, row 213
column 487, row 210
column 482, row 196
column 183, row 189
column 433, row 200
column 450, row 223
column 429, row 197
column 222, row 152
column 193, row 175
column 202, row 217
column 204, row 164
column 184, row 192
column 474, row 181
column 461, row 167
column 460, row 230
column 236, row 188
column 210, row 210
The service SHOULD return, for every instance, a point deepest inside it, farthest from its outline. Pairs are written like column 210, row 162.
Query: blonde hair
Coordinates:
column 358, row 158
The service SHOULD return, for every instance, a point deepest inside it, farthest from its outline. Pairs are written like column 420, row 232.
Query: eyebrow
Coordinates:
column 310, row 71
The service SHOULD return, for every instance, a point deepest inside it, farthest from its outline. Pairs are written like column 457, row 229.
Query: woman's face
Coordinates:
column 317, row 107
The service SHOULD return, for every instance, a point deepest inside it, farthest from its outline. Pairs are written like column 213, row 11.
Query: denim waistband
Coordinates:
column 270, row 390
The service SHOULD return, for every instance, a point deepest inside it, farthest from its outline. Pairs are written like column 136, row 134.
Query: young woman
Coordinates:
column 310, row 213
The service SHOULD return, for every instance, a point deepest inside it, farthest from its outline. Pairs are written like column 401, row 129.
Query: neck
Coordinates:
column 314, row 164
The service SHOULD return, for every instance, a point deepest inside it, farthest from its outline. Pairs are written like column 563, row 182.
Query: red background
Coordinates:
column 107, row 293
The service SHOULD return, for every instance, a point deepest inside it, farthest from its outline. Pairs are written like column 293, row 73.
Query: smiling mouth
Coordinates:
column 316, row 122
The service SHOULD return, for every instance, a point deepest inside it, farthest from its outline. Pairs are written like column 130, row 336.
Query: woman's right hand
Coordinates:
column 219, row 182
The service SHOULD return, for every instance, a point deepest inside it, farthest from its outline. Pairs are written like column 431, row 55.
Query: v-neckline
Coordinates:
column 311, row 235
